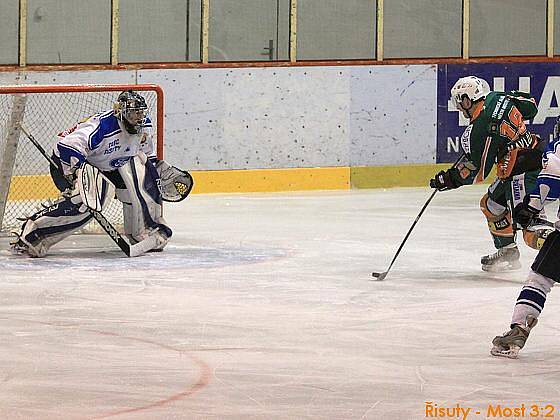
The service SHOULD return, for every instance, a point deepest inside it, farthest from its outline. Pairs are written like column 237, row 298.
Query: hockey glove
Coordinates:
column 443, row 181
column 176, row 184
column 523, row 213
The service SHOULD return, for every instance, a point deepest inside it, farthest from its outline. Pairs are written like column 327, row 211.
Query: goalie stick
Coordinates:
column 381, row 275
column 130, row 250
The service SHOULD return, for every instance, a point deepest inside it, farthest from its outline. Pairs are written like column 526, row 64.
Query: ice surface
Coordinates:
column 263, row 307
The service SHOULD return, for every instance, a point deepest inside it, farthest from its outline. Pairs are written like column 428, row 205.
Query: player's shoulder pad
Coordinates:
column 107, row 126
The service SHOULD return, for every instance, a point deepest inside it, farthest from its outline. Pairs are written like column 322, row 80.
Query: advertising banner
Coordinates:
column 541, row 80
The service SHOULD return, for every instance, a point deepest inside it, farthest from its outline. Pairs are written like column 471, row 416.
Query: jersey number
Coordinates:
column 515, row 127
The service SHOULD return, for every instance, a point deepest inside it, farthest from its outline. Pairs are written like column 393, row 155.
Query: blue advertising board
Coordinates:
column 541, row 80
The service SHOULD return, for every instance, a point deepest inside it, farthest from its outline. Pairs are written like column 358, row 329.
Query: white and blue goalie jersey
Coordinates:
column 548, row 181
column 102, row 141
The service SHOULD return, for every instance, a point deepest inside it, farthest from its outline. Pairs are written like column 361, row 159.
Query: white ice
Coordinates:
column 263, row 307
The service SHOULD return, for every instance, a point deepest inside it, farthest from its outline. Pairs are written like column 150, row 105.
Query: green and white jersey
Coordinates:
column 497, row 123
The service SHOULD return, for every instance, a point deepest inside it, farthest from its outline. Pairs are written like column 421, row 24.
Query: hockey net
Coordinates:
column 45, row 111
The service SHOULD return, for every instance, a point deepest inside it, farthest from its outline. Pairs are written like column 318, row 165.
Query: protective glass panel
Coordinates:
column 507, row 27
column 158, row 31
column 336, row 29
column 249, row 30
column 68, row 31
column 422, row 28
column 9, row 11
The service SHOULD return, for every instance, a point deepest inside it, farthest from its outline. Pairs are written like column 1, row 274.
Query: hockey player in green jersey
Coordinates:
column 497, row 135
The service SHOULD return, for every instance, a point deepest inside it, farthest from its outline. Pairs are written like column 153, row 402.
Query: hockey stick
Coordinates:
column 130, row 250
column 381, row 275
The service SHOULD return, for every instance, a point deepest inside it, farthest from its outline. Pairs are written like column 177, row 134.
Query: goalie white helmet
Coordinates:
column 471, row 87
column 132, row 110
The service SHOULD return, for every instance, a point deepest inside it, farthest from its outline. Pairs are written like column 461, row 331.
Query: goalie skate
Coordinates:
column 20, row 246
column 509, row 344
column 17, row 246
column 505, row 259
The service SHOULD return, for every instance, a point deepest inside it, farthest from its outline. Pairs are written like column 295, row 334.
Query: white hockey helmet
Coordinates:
column 472, row 87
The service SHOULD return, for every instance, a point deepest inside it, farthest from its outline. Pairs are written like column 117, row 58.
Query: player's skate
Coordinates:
column 509, row 344
column 505, row 259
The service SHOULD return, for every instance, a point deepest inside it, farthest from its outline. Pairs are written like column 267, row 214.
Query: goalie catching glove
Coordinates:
column 176, row 184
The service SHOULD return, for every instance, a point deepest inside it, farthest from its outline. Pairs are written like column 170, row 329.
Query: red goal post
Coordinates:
column 44, row 111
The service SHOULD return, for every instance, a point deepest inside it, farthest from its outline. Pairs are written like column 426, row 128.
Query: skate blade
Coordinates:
column 500, row 268
column 512, row 353
column 18, row 251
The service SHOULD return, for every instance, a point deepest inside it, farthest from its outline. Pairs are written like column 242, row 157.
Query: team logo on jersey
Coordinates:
column 518, row 189
column 143, row 139
column 117, row 163
column 113, row 146
column 466, row 139
column 68, row 131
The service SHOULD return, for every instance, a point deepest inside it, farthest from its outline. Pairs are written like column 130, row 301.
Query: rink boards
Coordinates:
column 313, row 127
column 270, row 180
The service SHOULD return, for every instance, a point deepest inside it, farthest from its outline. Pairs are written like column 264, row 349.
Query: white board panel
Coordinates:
column 284, row 117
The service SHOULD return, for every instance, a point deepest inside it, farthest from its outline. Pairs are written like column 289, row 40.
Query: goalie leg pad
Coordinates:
column 161, row 235
column 142, row 202
column 499, row 221
column 51, row 225
column 96, row 191
column 546, row 261
column 124, row 197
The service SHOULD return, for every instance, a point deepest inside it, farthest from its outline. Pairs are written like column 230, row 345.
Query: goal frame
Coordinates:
column 82, row 88
column 23, row 89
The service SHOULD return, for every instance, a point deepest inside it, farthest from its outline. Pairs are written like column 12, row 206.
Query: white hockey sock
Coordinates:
column 532, row 297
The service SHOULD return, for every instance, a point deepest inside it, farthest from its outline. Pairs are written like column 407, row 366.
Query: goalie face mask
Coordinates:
column 132, row 110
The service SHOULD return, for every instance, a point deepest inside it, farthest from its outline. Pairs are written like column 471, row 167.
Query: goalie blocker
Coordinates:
column 138, row 186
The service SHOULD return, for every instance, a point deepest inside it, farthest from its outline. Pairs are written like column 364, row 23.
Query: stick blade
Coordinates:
column 379, row 276
column 143, row 246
